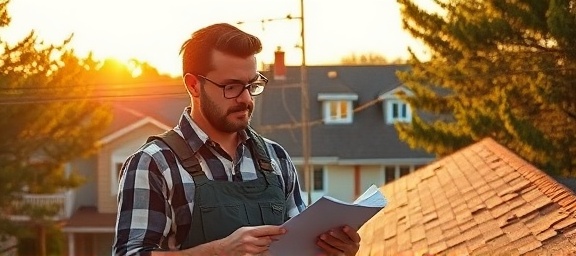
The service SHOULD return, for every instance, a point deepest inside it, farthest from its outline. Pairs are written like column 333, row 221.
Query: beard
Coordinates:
column 218, row 117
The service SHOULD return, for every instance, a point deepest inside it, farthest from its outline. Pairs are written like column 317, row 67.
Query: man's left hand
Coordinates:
column 340, row 241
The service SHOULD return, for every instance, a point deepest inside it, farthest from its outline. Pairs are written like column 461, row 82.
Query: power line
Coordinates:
column 33, row 100
column 142, row 85
column 295, row 125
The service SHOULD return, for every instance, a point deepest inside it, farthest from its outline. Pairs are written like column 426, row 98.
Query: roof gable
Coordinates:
column 128, row 115
column 393, row 94
column 277, row 113
column 482, row 199
column 134, row 126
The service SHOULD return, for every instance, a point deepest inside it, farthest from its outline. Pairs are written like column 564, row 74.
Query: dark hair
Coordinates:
column 197, row 50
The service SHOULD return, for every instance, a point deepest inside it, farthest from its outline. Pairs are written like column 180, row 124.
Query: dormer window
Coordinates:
column 396, row 110
column 337, row 108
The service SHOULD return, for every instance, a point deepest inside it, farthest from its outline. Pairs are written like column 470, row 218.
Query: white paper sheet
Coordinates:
column 323, row 215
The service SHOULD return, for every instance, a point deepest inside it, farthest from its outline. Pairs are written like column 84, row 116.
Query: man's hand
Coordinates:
column 341, row 241
column 249, row 240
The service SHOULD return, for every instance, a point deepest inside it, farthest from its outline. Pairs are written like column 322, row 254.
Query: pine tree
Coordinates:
column 497, row 68
column 46, row 121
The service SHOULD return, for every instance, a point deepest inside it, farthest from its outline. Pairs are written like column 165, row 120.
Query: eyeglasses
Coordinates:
column 233, row 90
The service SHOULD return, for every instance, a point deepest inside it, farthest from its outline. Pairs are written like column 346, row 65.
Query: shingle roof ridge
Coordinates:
column 482, row 199
column 542, row 181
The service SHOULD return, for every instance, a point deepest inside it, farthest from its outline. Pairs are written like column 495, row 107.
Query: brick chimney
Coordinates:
column 279, row 65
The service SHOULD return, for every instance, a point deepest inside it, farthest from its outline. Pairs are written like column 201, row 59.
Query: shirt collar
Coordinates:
column 195, row 136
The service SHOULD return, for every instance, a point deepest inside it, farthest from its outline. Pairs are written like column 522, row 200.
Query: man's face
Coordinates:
column 228, row 115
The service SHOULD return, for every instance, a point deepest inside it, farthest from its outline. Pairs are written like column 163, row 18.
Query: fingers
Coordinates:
column 352, row 234
column 264, row 241
column 267, row 230
column 341, row 236
column 256, row 239
column 344, row 241
column 328, row 249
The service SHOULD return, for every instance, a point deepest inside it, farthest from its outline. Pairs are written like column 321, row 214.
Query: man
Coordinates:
column 229, row 205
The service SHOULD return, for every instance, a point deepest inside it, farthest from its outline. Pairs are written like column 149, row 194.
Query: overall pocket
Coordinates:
column 220, row 221
column 272, row 212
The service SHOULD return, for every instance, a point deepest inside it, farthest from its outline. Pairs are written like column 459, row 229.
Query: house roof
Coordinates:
column 87, row 219
column 161, row 111
column 278, row 113
column 569, row 182
column 482, row 199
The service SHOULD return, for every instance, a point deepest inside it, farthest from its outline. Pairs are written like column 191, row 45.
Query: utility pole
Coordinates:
column 306, row 145
column 304, row 106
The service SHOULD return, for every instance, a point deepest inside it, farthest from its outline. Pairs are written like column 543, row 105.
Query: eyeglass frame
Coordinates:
column 259, row 78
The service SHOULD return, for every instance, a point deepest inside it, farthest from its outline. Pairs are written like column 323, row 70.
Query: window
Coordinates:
column 337, row 108
column 390, row 173
column 338, row 112
column 317, row 178
column 397, row 111
column 393, row 172
column 115, row 172
column 418, row 166
column 404, row 170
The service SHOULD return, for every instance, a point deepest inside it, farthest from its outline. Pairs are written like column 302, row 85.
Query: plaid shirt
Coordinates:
column 156, row 194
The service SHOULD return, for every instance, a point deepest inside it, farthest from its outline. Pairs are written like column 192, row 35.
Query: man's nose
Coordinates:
column 244, row 96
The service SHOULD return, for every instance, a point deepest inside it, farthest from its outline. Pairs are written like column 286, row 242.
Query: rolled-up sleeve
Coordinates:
column 143, row 220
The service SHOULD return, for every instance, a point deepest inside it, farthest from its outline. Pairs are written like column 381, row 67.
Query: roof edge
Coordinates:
column 542, row 181
column 133, row 127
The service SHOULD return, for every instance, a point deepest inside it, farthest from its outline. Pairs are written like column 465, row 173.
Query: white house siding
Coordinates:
column 370, row 174
column 339, row 182
column 85, row 195
column 124, row 145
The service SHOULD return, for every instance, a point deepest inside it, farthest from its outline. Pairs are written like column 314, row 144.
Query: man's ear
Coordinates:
column 192, row 85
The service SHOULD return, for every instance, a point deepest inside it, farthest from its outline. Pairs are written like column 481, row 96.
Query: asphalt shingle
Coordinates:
column 483, row 199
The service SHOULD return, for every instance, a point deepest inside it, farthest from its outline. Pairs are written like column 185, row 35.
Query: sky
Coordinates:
column 153, row 30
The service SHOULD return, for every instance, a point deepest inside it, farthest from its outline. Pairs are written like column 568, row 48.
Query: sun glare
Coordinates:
column 134, row 67
column 152, row 31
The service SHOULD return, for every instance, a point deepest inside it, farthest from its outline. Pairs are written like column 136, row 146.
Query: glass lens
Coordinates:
column 256, row 88
column 233, row 90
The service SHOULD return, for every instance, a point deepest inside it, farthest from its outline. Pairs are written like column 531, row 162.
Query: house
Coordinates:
column 354, row 143
column 480, row 200
column 90, row 229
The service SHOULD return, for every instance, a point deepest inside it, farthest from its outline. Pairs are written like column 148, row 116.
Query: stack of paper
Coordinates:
column 325, row 214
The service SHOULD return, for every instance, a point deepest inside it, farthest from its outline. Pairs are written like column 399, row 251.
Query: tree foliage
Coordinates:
column 54, row 107
column 369, row 59
column 498, row 68
column 40, row 130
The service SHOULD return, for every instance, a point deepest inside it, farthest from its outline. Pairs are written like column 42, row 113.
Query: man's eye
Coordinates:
column 233, row 87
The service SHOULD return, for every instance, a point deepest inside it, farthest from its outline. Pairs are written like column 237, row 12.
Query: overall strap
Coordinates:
column 182, row 150
column 259, row 150
column 262, row 157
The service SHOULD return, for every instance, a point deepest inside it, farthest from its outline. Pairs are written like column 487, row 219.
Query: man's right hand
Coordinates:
column 249, row 240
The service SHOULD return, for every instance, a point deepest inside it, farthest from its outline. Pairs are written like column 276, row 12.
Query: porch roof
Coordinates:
column 87, row 219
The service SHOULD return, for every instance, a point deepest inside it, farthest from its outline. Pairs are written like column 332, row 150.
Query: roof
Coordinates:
column 482, row 199
column 279, row 107
column 569, row 182
column 159, row 110
column 277, row 113
column 87, row 219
